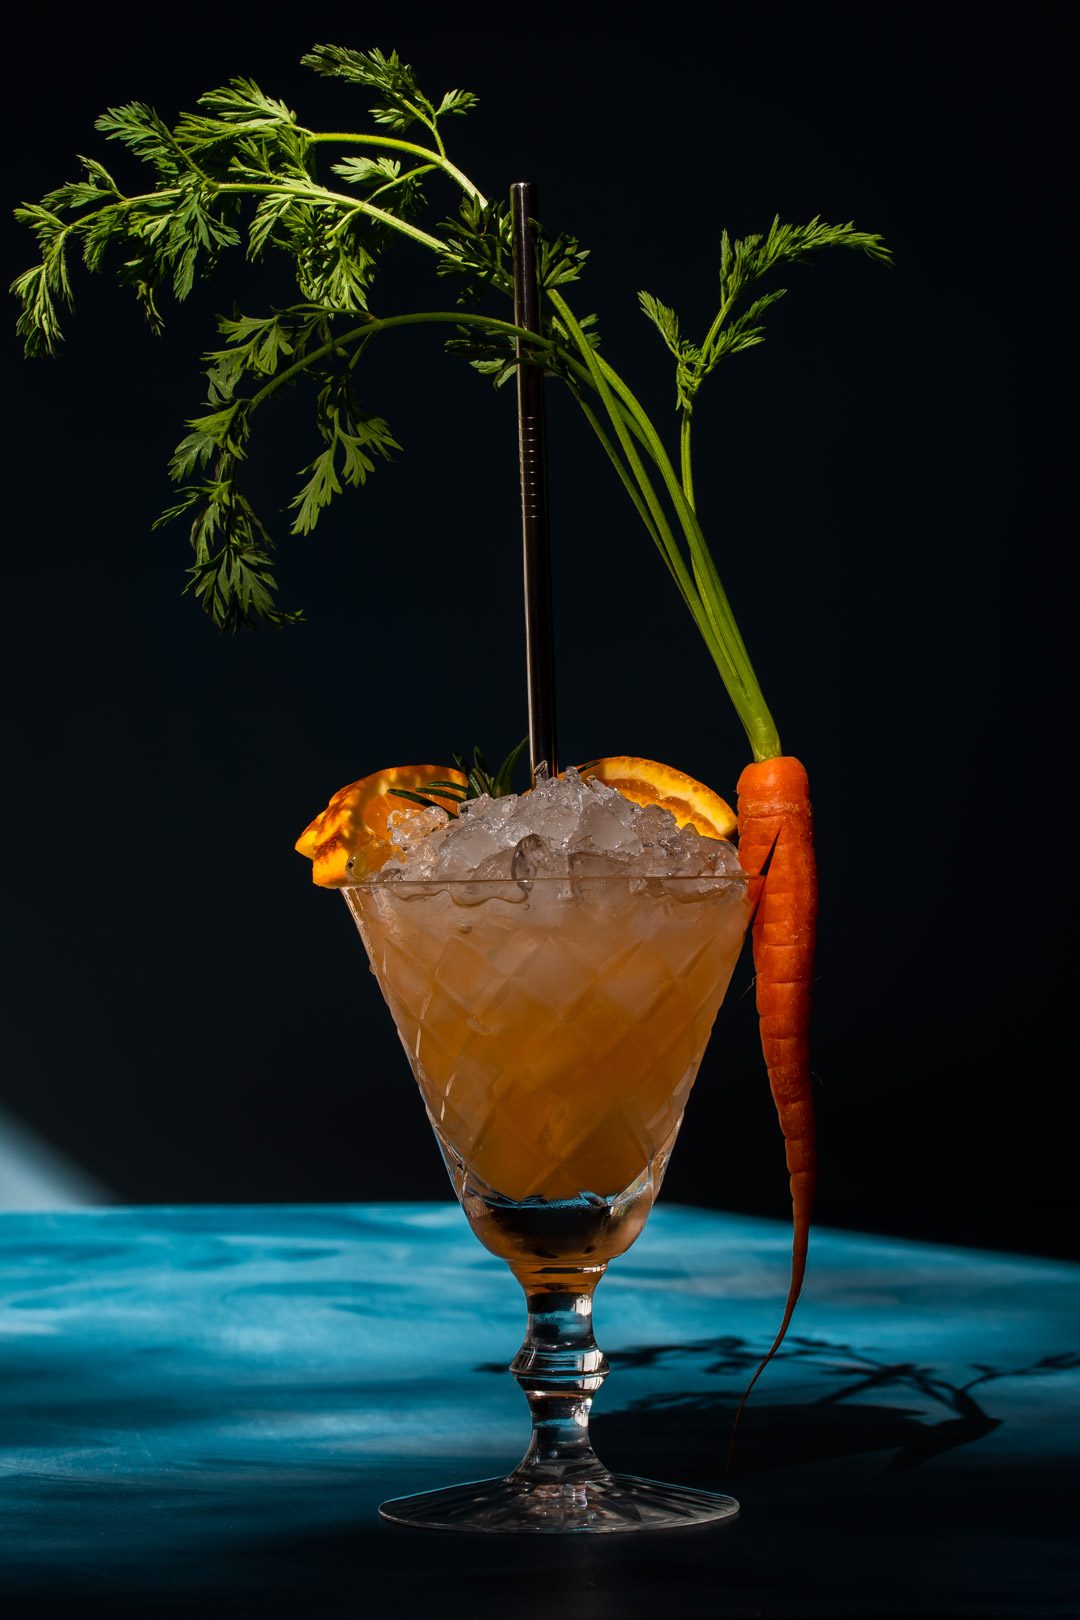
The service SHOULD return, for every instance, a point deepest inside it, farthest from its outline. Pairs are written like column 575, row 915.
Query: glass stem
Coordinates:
column 560, row 1367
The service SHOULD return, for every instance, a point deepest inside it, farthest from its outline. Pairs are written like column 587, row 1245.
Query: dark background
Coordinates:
column 884, row 485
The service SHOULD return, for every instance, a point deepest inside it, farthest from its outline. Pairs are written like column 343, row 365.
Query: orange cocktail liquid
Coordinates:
column 555, row 1030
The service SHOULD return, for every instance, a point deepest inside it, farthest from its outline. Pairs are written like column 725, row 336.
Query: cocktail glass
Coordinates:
column 555, row 1028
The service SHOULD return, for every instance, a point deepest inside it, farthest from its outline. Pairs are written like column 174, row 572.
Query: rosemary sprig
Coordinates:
column 479, row 780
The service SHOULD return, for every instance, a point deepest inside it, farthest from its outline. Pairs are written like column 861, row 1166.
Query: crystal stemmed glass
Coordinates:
column 555, row 1028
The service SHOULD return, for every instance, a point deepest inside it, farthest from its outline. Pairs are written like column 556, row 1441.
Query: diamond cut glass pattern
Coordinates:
column 554, row 1036
column 555, row 1028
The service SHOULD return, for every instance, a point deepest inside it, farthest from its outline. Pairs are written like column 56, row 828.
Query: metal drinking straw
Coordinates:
column 532, row 456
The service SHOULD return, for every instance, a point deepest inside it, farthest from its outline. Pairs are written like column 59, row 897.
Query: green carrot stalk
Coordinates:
column 242, row 171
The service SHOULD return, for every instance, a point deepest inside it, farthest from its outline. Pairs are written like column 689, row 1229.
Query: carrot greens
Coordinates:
column 242, row 172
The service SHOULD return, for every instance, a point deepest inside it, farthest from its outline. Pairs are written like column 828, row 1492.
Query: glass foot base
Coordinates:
column 601, row 1504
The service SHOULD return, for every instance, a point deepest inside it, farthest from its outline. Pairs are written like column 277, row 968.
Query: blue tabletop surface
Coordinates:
column 202, row 1407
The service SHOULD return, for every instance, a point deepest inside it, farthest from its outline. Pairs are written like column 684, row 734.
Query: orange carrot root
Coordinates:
column 776, row 849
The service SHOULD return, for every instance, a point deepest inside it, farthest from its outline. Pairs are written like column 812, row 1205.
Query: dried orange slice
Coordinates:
column 646, row 781
column 355, row 821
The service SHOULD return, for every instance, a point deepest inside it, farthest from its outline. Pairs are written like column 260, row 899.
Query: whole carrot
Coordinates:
column 776, row 849
column 774, row 800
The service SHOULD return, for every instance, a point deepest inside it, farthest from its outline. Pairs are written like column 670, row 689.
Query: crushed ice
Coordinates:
column 567, row 826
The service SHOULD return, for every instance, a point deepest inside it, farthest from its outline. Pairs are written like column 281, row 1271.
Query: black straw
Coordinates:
column 532, row 455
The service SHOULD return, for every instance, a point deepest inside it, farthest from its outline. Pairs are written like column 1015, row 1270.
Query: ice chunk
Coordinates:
column 565, row 825
column 653, row 823
column 469, row 846
column 555, row 823
column 602, row 828
column 408, row 828
column 498, row 865
column 494, row 813
column 591, row 863
column 535, row 858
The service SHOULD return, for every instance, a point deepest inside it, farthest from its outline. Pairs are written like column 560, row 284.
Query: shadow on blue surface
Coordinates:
column 803, row 1531
column 787, row 1435
column 202, row 1409
column 849, row 1430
